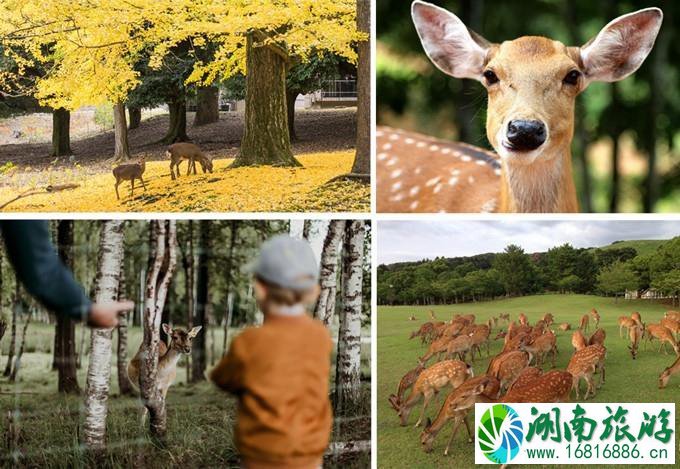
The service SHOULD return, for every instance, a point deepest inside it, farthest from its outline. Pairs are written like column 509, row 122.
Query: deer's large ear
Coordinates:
column 194, row 331
column 167, row 329
column 449, row 44
column 620, row 47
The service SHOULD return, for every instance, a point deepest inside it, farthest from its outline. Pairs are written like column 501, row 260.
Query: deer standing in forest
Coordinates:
column 666, row 374
column 187, row 151
column 532, row 84
column 168, row 356
column 129, row 172
column 430, row 382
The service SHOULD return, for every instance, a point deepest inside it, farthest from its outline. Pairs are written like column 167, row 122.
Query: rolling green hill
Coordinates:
column 642, row 246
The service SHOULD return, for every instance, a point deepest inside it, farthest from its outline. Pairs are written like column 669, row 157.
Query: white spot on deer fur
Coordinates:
column 497, row 171
column 446, row 151
column 414, row 191
column 409, row 141
column 437, row 188
column 420, row 144
column 456, row 153
column 394, row 137
column 396, row 186
column 434, row 148
column 392, row 161
column 396, row 173
column 433, row 181
column 471, row 179
column 466, row 158
column 481, row 162
column 453, row 181
column 387, row 146
column 397, row 198
column 488, row 206
column 418, row 170
column 382, row 156
column 379, row 133
column 443, row 211
column 455, row 172
column 414, row 205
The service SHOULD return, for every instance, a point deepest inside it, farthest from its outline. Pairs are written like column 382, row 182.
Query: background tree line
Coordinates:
column 610, row 270
column 641, row 112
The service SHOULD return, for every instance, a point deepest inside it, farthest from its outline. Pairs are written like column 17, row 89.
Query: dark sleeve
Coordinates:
column 228, row 374
column 40, row 270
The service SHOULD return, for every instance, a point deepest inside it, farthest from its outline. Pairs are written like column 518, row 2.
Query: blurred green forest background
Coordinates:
column 626, row 146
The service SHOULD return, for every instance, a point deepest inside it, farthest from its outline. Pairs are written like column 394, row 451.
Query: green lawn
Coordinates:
column 200, row 417
column 627, row 380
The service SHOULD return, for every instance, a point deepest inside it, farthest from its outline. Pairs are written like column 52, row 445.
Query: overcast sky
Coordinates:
column 415, row 240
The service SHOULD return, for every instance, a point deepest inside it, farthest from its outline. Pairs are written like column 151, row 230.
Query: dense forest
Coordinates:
column 625, row 147
column 610, row 270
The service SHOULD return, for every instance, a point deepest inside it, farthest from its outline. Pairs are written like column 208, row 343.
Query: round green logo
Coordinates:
column 500, row 433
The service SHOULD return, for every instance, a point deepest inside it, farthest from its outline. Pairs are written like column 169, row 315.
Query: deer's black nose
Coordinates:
column 525, row 135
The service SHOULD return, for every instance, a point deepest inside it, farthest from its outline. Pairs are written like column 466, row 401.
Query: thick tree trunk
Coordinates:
column 61, row 132
column 362, row 160
column 122, row 148
column 135, row 114
column 325, row 307
column 17, row 360
column 65, row 353
column 99, row 367
column 291, row 97
column 207, row 105
column 124, row 384
column 198, row 350
column 13, row 337
column 164, row 260
column 265, row 139
column 177, row 130
column 233, row 233
column 348, row 363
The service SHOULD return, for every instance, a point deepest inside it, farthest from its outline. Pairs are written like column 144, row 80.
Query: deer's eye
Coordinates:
column 490, row 77
column 572, row 77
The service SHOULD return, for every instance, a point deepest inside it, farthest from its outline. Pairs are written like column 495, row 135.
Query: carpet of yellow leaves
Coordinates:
column 249, row 189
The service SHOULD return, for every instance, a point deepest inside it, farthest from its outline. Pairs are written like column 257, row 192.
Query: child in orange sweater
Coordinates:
column 280, row 371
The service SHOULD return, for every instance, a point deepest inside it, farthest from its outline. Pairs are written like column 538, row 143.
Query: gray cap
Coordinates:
column 288, row 263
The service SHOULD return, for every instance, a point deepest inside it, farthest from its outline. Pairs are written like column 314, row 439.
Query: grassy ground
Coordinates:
column 247, row 189
column 627, row 380
column 200, row 417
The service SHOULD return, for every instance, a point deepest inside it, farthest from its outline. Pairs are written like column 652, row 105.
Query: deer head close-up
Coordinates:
column 532, row 85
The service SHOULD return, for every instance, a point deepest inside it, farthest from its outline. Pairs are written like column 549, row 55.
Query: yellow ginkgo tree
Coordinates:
column 92, row 47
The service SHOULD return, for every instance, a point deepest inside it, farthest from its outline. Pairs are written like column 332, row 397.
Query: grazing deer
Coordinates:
column 663, row 334
column 525, row 376
column 187, row 151
column 565, row 326
column 168, row 356
column 672, row 325
column 596, row 317
column 480, row 336
column 129, row 172
column 457, row 406
column 437, row 347
column 583, row 324
column 453, row 329
column 423, row 332
column 507, row 366
column 625, row 322
column 553, row 386
column 666, row 374
column 404, row 384
column 672, row 315
column 532, row 84
column 515, row 342
column 505, row 317
column 583, row 364
column 542, row 346
column 548, row 319
column 635, row 333
column 430, row 382
column 635, row 316
column 461, row 345
column 598, row 337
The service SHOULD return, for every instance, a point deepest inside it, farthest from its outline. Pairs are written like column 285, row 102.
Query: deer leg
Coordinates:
column 191, row 163
column 132, row 187
column 143, row 185
column 456, row 424
column 575, row 385
column 172, row 170
column 426, row 401
column 116, row 187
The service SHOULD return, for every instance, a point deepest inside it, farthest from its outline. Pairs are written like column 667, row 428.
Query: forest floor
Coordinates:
column 325, row 147
column 200, row 417
column 626, row 380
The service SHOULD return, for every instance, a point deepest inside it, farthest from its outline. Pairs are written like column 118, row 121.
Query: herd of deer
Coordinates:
column 177, row 152
column 515, row 374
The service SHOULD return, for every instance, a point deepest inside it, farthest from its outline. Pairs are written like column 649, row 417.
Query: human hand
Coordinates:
column 105, row 315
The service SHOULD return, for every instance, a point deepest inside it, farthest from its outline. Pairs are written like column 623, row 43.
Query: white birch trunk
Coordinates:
column 348, row 364
column 99, row 367
column 325, row 307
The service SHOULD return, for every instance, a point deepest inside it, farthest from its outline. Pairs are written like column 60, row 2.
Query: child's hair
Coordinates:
column 283, row 296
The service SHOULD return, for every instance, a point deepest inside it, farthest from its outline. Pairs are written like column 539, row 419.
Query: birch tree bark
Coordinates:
column 348, row 364
column 188, row 263
column 233, row 233
column 325, row 307
column 163, row 262
column 99, row 366
column 124, row 384
column 17, row 360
